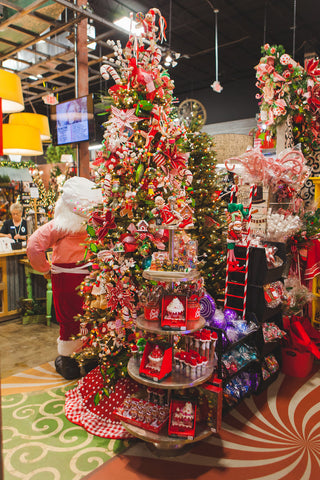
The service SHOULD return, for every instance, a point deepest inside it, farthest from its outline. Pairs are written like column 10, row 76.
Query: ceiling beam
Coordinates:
column 17, row 28
column 65, row 72
column 40, row 37
column 87, row 13
column 21, row 13
column 60, row 89
column 11, row 5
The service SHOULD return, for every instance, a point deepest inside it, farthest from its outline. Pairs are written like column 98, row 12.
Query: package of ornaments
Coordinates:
column 240, row 386
column 147, row 415
column 231, row 326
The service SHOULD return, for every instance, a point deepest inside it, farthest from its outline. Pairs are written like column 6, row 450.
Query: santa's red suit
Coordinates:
column 66, row 235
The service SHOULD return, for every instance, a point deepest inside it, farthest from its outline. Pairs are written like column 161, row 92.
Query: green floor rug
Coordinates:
column 40, row 443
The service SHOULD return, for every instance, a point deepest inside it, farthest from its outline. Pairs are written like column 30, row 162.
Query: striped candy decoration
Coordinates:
column 157, row 56
column 107, row 70
column 107, row 185
column 252, row 191
column 159, row 159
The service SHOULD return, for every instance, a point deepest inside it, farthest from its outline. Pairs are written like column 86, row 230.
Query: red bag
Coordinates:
column 298, row 337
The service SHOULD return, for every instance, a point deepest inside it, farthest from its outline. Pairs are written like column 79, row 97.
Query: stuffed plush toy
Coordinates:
column 66, row 235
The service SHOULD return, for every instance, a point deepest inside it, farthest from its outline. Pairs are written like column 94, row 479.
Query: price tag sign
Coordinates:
column 34, row 192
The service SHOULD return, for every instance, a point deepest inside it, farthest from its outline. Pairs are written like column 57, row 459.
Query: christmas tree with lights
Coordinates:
column 210, row 210
column 47, row 197
column 143, row 171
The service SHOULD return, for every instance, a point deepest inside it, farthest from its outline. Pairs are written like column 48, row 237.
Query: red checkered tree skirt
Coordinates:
column 97, row 419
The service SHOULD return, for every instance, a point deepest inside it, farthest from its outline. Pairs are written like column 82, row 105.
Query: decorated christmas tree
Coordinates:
column 47, row 197
column 142, row 169
column 210, row 208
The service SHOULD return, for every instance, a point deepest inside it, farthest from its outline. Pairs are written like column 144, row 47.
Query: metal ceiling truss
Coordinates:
column 48, row 72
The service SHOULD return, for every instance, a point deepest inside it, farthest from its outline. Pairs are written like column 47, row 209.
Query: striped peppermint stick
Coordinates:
column 252, row 191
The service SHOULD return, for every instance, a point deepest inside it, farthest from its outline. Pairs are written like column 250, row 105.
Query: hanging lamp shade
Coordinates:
column 10, row 92
column 21, row 140
column 34, row 120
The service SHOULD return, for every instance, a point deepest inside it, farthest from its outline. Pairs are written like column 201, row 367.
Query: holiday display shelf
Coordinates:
column 154, row 326
column 258, row 276
column 171, row 276
column 164, row 442
column 253, row 338
column 315, row 319
column 177, row 380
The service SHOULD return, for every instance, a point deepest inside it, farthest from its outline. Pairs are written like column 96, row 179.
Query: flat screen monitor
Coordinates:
column 73, row 121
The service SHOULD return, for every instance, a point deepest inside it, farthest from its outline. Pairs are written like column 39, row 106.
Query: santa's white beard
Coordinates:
column 66, row 220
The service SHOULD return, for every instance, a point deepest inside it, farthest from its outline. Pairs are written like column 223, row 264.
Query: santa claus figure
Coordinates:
column 66, row 235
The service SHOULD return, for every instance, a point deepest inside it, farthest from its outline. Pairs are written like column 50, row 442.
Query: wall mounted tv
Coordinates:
column 73, row 121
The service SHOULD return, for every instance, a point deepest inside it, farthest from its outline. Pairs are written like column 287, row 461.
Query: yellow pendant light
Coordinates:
column 11, row 92
column 34, row 120
column 21, row 140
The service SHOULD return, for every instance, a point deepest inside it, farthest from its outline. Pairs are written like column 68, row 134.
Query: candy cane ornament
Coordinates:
column 107, row 70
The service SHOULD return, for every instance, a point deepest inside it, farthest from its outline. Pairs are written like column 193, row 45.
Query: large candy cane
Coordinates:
column 252, row 191
column 107, row 70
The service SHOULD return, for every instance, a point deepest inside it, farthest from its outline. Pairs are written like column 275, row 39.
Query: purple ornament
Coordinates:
column 207, row 307
column 218, row 320
column 230, row 316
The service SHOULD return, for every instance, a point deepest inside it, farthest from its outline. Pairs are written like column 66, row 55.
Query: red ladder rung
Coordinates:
column 235, row 296
column 237, row 283
column 233, row 308
column 240, row 258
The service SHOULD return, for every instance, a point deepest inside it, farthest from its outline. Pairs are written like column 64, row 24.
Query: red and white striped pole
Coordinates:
column 245, row 288
column 233, row 192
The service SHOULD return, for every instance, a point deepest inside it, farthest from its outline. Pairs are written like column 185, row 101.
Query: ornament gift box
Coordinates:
column 193, row 309
column 156, row 363
column 174, row 312
column 182, row 417
column 147, row 418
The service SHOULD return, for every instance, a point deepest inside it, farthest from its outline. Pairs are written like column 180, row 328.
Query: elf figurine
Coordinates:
column 236, row 214
column 66, row 235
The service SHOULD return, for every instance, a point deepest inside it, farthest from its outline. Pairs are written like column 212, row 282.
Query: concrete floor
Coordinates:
column 26, row 346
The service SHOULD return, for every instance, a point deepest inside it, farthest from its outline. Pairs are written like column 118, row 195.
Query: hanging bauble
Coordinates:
column 218, row 320
column 230, row 316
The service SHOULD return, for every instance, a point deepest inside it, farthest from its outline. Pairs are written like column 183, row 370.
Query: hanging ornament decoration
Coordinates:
column 216, row 86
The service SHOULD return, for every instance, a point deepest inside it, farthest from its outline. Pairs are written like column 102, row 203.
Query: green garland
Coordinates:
column 17, row 165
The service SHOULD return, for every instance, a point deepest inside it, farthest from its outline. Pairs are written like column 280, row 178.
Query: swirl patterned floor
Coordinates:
column 274, row 436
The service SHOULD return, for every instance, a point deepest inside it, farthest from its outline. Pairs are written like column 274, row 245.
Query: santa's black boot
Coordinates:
column 67, row 367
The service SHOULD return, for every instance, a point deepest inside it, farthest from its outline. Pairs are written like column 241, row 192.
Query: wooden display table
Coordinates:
column 12, row 283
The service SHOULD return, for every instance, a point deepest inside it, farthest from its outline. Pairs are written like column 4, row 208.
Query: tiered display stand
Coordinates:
column 177, row 380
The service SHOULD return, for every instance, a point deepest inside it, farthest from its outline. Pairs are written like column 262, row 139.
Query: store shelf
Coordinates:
column 171, row 276
column 176, row 380
column 155, row 327
column 163, row 441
